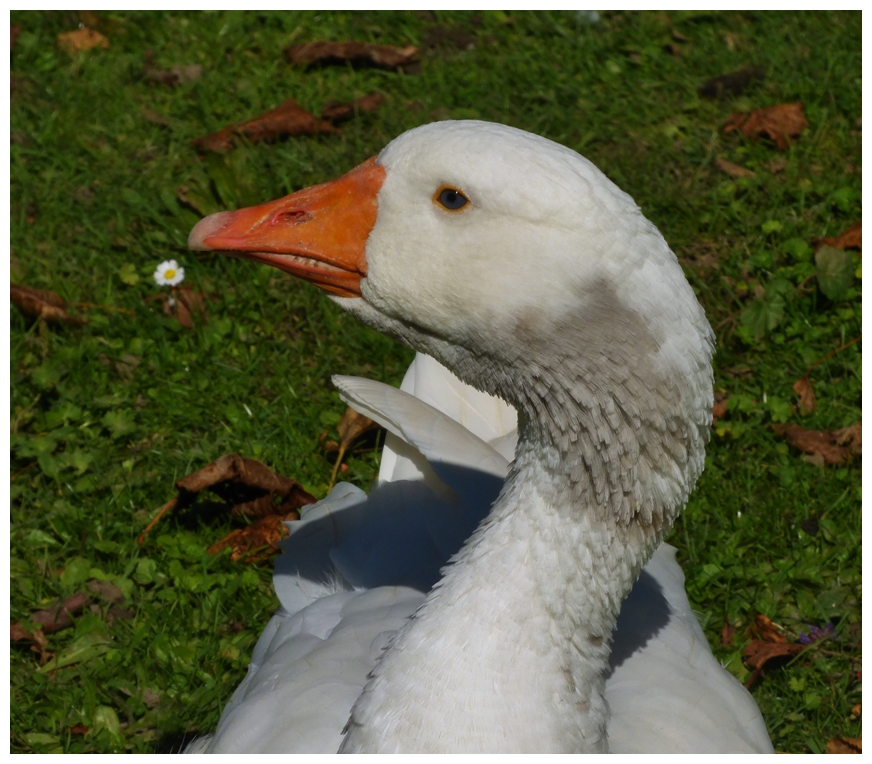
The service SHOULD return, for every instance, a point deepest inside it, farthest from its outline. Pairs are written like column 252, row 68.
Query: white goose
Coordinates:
column 519, row 266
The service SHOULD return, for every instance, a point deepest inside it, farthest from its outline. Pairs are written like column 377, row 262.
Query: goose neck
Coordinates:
column 509, row 651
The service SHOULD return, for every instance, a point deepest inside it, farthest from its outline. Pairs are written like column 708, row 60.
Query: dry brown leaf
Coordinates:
column 81, row 40
column 727, row 634
column 252, row 487
column 733, row 169
column 852, row 437
column 767, row 630
column 53, row 619
column 845, row 745
column 857, row 711
column 184, row 304
column 357, row 53
column 287, row 119
column 339, row 112
column 780, row 123
column 830, row 447
column 850, row 239
column 802, row 387
column 254, row 543
column 757, row 652
column 719, row 410
column 352, row 425
column 42, row 303
column 249, row 486
column 189, row 305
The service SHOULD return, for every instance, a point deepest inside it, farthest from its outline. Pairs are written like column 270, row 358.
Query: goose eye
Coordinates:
column 451, row 199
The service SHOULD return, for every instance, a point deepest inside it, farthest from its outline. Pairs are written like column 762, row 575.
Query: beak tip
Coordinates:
column 207, row 227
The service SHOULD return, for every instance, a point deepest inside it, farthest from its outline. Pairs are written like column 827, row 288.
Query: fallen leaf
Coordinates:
column 779, row 123
column 352, row 425
column 758, row 652
column 14, row 31
column 189, row 304
column 830, row 447
column 720, row 407
column 53, row 619
column 287, row 119
column 80, row 40
column 857, row 710
column 767, row 630
column 235, row 478
column 731, row 84
column 79, row 729
column 802, row 387
column 850, row 239
column 733, row 169
column 357, row 53
column 340, row 112
column 845, row 745
column 727, row 634
column 42, row 303
column 183, row 304
column 254, row 543
column 852, row 437
column 249, row 486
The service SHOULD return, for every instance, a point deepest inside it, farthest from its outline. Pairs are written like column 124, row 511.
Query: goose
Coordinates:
column 560, row 623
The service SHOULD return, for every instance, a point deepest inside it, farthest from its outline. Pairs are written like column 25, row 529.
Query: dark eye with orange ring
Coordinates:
column 450, row 198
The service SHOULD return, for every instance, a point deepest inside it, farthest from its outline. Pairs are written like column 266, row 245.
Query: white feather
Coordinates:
column 666, row 691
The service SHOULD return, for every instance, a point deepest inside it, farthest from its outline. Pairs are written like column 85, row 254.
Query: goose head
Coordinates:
column 516, row 263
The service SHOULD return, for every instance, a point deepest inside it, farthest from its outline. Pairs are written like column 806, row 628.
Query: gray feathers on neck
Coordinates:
column 617, row 423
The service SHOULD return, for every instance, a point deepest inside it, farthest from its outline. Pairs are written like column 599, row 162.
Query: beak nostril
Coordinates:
column 291, row 218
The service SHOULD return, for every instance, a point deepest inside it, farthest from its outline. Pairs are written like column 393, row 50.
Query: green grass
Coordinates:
column 97, row 440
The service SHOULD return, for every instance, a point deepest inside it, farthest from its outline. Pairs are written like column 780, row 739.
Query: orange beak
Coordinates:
column 318, row 234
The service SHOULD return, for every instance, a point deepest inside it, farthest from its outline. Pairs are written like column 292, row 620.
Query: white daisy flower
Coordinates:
column 169, row 273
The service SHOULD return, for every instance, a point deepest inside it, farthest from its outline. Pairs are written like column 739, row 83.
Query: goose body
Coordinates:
column 515, row 263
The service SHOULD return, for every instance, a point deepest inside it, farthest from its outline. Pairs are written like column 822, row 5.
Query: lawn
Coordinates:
column 107, row 415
